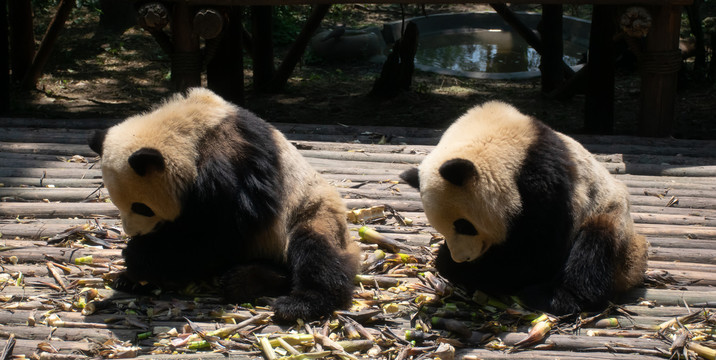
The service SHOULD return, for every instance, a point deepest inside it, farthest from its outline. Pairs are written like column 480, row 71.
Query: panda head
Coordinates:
column 134, row 182
column 149, row 160
column 468, row 182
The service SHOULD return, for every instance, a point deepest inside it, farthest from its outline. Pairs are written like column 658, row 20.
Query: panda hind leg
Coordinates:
column 587, row 280
column 322, row 277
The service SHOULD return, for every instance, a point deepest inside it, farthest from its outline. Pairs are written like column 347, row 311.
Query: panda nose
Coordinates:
column 460, row 257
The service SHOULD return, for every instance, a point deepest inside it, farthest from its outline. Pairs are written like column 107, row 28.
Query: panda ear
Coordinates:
column 411, row 177
column 457, row 171
column 96, row 140
column 146, row 159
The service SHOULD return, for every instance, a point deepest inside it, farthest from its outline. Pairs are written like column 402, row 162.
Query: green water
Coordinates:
column 482, row 50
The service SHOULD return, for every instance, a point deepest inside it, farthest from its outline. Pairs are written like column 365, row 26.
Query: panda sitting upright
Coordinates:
column 528, row 211
column 208, row 190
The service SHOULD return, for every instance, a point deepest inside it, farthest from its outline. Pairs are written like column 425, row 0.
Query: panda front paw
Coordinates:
column 248, row 282
column 564, row 303
column 126, row 284
column 287, row 309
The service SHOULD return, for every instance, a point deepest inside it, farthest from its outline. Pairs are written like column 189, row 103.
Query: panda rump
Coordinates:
column 207, row 190
column 527, row 211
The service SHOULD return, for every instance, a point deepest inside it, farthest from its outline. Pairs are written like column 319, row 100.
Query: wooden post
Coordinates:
column 48, row 42
column 186, row 58
column 659, row 65
column 225, row 69
column 599, row 102
column 552, row 48
column 4, row 63
column 22, row 37
column 261, row 22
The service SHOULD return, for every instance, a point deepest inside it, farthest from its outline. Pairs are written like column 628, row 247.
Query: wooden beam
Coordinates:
column 48, row 42
column 280, row 78
column 530, row 36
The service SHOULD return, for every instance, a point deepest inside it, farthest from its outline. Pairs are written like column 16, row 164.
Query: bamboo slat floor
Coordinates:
column 50, row 185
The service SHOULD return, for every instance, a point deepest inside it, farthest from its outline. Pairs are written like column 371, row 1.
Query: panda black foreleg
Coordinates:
column 587, row 280
column 321, row 278
column 147, row 269
column 480, row 274
column 167, row 259
column 467, row 274
column 146, row 266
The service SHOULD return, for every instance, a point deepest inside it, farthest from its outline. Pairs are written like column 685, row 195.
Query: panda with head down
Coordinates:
column 527, row 211
column 208, row 190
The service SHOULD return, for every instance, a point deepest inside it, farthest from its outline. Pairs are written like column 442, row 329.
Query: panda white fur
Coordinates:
column 208, row 190
column 527, row 211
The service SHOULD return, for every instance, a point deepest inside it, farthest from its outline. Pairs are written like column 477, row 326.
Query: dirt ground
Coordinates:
column 104, row 75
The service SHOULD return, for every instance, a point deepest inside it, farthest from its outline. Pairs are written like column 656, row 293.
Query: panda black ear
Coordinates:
column 96, row 140
column 146, row 159
column 457, row 171
column 411, row 177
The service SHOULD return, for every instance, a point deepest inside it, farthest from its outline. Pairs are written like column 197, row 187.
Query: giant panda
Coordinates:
column 207, row 190
column 527, row 211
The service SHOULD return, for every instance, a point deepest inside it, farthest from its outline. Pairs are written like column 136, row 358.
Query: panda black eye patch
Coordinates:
column 142, row 209
column 464, row 227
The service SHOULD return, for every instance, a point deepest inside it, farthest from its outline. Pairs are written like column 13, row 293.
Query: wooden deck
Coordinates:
column 50, row 185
